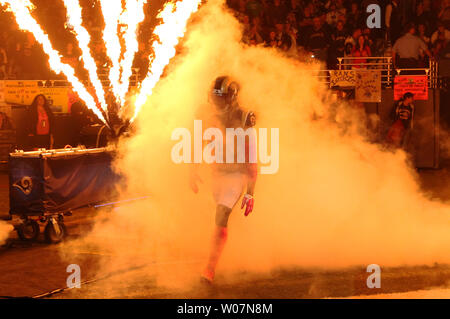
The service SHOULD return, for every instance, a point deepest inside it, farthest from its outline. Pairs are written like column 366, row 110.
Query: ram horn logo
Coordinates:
column 25, row 185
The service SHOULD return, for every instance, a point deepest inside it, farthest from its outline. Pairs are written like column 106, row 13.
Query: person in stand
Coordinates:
column 361, row 50
column 40, row 124
column 399, row 135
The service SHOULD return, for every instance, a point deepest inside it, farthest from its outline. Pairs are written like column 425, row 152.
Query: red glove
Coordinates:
column 248, row 201
column 193, row 182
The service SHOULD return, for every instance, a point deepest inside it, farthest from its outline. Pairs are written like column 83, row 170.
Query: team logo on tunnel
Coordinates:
column 25, row 185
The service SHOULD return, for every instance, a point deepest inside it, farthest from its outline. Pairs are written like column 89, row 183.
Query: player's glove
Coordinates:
column 193, row 182
column 247, row 202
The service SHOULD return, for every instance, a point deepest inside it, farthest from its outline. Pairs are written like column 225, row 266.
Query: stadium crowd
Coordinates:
column 320, row 29
column 327, row 29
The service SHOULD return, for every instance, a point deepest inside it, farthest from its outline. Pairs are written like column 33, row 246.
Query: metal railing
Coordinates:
column 384, row 64
column 103, row 76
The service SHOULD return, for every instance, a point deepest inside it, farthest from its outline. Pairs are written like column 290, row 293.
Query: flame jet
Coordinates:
column 22, row 12
column 173, row 27
column 133, row 16
column 74, row 18
column 112, row 10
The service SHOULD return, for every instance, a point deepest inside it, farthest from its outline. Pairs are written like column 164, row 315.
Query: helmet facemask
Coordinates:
column 224, row 94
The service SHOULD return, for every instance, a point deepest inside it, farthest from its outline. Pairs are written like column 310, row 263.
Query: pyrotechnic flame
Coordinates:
column 132, row 17
column 173, row 27
column 74, row 18
column 112, row 10
column 22, row 12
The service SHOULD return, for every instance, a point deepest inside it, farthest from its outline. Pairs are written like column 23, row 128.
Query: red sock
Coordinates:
column 218, row 243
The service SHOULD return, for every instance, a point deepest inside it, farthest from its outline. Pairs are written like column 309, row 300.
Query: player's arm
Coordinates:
column 248, row 200
column 251, row 169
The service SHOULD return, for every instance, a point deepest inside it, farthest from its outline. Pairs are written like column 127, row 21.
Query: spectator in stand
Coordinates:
column 361, row 50
column 339, row 36
column 422, row 16
column 444, row 13
column 278, row 13
column 70, row 57
column 393, row 20
column 409, row 48
column 431, row 10
column 32, row 61
column 337, row 48
column 272, row 40
column 15, row 58
column 242, row 10
column 246, row 26
column 439, row 46
column 441, row 33
column 282, row 38
column 252, row 34
column 306, row 18
column 295, row 8
column 353, row 39
column 348, row 53
column 40, row 125
column 318, row 40
column 254, row 9
column 340, row 7
column 367, row 33
column 332, row 15
column 422, row 34
column 3, row 63
column 354, row 17
column 293, row 24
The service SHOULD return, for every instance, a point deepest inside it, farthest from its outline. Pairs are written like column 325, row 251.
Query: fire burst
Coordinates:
column 174, row 18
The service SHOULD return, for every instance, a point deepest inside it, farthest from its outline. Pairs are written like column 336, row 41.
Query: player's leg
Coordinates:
column 218, row 241
column 227, row 189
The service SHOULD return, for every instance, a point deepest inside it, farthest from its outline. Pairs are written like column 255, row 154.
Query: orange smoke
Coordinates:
column 337, row 200
column 5, row 229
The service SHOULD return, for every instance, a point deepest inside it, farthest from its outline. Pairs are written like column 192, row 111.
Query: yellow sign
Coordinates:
column 24, row 92
column 20, row 92
column 343, row 78
column 368, row 86
column 58, row 98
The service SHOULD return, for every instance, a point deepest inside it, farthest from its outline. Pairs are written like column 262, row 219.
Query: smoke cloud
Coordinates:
column 337, row 200
column 5, row 229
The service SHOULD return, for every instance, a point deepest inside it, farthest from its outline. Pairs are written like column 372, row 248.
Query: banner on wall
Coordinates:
column 344, row 78
column 368, row 86
column 416, row 84
column 58, row 98
column 20, row 92
column 2, row 92
column 24, row 92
